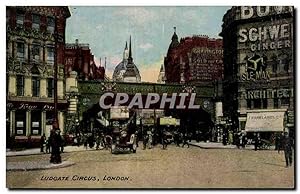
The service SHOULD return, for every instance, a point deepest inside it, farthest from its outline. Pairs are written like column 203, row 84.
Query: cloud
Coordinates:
column 99, row 27
column 138, row 15
column 146, row 46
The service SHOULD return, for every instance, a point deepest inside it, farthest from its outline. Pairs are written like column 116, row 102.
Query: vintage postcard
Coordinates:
column 150, row 97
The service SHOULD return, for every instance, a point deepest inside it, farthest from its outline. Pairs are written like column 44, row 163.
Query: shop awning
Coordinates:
column 265, row 122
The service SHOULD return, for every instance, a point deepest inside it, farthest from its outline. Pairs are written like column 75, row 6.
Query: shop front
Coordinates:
column 28, row 121
column 267, row 123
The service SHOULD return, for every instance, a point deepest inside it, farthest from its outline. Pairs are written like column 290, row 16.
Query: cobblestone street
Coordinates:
column 156, row 168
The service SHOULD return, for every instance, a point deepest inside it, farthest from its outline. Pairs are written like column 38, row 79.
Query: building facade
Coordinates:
column 35, row 40
column 259, row 67
column 194, row 59
column 79, row 58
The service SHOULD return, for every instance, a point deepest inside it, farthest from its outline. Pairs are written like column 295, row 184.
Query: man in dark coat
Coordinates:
column 42, row 142
column 55, row 139
column 288, row 149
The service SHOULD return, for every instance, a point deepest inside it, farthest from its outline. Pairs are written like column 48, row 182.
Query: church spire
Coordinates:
column 130, row 60
column 175, row 37
column 125, row 53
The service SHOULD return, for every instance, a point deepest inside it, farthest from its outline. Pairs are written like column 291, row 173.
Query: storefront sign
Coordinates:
column 219, row 109
column 265, row 121
column 255, row 69
column 34, row 106
column 119, row 112
column 267, row 38
column 268, row 93
column 169, row 121
column 261, row 11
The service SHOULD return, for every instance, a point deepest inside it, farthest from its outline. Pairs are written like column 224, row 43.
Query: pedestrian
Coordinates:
column 256, row 141
column 98, row 140
column 164, row 139
column 42, row 142
column 48, row 150
column 288, row 149
column 230, row 137
column 85, row 141
column 136, row 134
column 145, row 139
column 55, row 145
column 185, row 140
column 62, row 144
column 150, row 139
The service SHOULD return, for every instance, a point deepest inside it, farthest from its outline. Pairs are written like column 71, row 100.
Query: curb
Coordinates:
column 47, row 167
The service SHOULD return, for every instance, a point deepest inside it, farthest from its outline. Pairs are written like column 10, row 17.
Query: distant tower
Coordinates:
column 131, row 74
column 161, row 76
column 126, row 70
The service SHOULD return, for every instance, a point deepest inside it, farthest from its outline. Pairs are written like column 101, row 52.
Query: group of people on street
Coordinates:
column 54, row 145
column 46, row 144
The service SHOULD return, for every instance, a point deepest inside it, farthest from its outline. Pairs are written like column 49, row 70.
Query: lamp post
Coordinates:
column 55, row 136
column 55, row 120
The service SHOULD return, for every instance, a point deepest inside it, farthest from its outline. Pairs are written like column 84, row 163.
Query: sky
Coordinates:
column 106, row 29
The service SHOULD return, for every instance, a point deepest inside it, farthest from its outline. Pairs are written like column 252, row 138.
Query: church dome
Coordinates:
column 126, row 70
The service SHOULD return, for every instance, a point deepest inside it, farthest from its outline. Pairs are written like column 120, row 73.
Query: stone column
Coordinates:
column 43, row 87
column 12, row 85
column 60, row 89
column 28, row 122
column 61, row 121
column 26, row 45
column 43, row 122
column 12, row 122
column 28, row 86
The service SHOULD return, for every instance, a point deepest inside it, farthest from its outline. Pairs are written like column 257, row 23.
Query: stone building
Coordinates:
column 30, row 51
column 194, row 59
column 259, row 67
column 79, row 58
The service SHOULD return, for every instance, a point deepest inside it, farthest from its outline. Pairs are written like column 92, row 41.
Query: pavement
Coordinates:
column 40, row 164
column 216, row 145
column 44, row 164
column 37, row 151
column 36, row 165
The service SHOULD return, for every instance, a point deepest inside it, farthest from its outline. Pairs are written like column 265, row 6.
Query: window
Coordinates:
column 35, row 87
column 20, row 19
column 35, row 122
column 275, row 102
column 20, row 122
column 49, row 117
column 265, row 103
column 20, row 85
column 35, row 51
column 50, row 87
column 20, row 50
column 50, row 54
column 284, row 102
column 248, row 104
column 50, row 24
column 36, row 22
column 257, row 103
